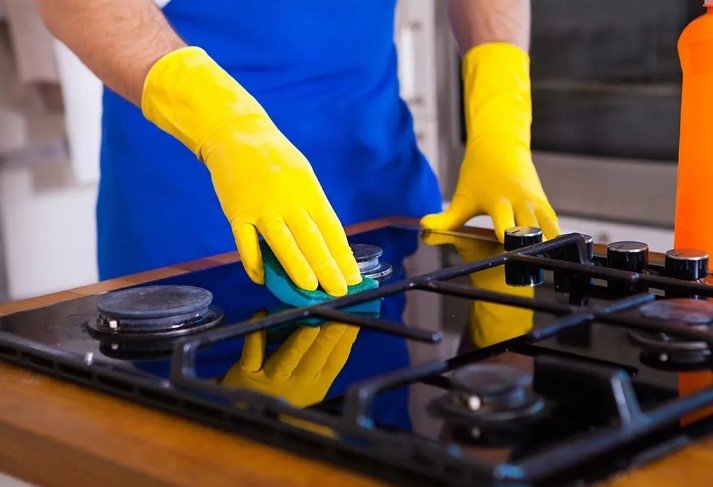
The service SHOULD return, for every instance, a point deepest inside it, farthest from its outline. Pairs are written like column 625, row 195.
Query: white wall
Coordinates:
column 48, row 226
column 47, row 199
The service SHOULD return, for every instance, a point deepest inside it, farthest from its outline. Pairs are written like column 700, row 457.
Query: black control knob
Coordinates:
column 687, row 264
column 628, row 255
column 519, row 237
column 519, row 274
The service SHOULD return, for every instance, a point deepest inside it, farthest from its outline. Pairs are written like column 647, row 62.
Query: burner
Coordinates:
column 155, row 312
column 490, row 396
column 689, row 311
column 367, row 257
column 667, row 351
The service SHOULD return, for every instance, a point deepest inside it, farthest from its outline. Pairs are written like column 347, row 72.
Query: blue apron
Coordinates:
column 326, row 73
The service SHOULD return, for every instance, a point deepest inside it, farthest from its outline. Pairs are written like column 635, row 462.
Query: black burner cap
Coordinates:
column 496, row 384
column 492, row 397
column 154, row 302
column 366, row 252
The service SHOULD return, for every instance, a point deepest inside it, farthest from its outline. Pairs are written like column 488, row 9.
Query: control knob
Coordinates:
column 686, row 264
column 628, row 255
column 519, row 274
column 519, row 237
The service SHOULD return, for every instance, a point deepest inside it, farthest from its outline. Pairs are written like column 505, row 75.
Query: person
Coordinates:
column 293, row 108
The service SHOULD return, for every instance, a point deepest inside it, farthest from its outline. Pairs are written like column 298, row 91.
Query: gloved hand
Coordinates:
column 497, row 176
column 263, row 182
column 302, row 370
column 489, row 323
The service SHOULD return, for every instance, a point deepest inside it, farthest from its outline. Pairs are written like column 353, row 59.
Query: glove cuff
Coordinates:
column 189, row 96
column 496, row 78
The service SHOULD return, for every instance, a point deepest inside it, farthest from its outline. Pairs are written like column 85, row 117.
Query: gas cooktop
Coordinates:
column 537, row 363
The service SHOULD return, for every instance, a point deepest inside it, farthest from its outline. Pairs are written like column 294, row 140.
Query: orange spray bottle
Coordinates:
column 694, row 193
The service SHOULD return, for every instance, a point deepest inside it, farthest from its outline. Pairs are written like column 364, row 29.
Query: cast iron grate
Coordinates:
column 630, row 425
column 409, row 459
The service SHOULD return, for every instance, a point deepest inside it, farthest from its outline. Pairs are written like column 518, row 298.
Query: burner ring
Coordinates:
column 667, row 349
column 367, row 257
column 381, row 271
column 101, row 326
column 490, row 396
column 498, row 385
column 450, row 407
column 675, row 362
column 155, row 312
column 151, row 302
column 666, row 343
column 662, row 351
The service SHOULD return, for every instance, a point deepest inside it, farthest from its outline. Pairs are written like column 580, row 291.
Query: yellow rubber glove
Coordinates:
column 302, row 370
column 497, row 176
column 263, row 182
column 489, row 323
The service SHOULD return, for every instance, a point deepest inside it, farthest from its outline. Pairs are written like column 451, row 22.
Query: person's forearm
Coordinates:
column 119, row 40
column 478, row 22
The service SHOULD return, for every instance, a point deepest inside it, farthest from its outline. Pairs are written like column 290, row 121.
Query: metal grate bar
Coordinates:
column 570, row 239
column 249, row 326
column 377, row 324
column 609, row 274
column 357, row 407
column 495, row 297
column 590, row 314
column 243, row 328
column 360, row 396
column 546, row 463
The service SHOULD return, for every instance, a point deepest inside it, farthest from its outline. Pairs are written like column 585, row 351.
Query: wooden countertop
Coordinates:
column 59, row 434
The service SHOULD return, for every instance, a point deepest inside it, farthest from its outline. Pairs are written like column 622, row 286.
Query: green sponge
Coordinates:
column 280, row 284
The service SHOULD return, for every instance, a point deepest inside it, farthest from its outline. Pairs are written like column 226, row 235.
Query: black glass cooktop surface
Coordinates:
column 467, row 365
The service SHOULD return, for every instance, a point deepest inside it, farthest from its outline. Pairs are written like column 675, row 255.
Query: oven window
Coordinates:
column 606, row 76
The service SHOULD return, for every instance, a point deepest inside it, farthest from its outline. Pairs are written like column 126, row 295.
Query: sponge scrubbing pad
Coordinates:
column 280, row 284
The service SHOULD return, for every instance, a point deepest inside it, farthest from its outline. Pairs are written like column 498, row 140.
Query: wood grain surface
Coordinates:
column 56, row 433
